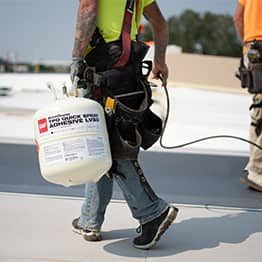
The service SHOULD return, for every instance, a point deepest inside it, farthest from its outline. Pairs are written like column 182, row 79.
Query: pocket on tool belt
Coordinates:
column 256, row 72
column 150, row 129
column 125, row 142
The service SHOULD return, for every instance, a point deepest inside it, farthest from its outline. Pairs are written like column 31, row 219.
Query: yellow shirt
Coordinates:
column 252, row 19
column 110, row 18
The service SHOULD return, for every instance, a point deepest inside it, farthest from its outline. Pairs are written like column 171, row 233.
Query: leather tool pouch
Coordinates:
column 133, row 125
column 245, row 77
column 150, row 129
column 256, row 78
column 251, row 78
column 125, row 138
column 125, row 141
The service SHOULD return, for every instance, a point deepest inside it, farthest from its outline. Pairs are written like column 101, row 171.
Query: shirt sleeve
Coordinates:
column 242, row 2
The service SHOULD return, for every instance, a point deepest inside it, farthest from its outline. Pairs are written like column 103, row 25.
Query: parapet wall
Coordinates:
column 203, row 70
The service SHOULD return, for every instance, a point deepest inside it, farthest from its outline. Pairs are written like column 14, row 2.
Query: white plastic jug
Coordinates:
column 72, row 141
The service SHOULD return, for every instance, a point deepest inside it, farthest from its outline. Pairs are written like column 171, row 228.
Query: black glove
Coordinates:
column 77, row 68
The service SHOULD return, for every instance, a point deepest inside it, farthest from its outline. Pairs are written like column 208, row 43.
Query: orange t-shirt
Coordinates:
column 252, row 19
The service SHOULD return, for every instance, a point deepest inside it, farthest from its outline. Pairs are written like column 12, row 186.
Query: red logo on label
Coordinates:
column 42, row 125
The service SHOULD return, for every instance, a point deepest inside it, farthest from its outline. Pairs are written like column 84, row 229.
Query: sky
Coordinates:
column 33, row 30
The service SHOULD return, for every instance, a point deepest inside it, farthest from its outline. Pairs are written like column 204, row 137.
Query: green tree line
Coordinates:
column 207, row 33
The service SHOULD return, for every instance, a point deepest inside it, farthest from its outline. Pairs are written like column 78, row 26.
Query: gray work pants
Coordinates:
column 255, row 155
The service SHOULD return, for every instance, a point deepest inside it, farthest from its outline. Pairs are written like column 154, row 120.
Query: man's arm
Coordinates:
column 239, row 21
column 160, row 33
column 85, row 26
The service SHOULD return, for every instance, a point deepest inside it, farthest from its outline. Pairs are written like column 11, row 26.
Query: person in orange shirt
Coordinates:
column 248, row 25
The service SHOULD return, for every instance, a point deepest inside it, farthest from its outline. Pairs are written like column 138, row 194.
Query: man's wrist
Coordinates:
column 76, row 59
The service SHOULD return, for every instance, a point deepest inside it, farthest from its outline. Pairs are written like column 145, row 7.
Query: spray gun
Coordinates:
column 81, row 87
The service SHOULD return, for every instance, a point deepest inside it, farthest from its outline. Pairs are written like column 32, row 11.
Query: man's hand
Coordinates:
column 160, row 32
column 160, row 71
column 77, row 68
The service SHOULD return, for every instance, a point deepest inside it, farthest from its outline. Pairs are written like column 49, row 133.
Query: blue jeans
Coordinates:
column 142, row 201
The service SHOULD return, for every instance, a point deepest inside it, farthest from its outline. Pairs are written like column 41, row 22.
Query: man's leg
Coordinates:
column 97, row 197
column 152, row 212
column 254, row 166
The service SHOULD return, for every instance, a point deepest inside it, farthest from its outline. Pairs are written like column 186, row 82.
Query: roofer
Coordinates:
column 248, row 24
column 108, row 60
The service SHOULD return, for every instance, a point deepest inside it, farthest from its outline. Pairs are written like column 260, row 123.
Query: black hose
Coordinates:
column 197, row 140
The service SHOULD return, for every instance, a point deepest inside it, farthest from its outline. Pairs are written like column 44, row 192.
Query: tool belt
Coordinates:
column 130, row 122
column 251, row 78
column 251, row 75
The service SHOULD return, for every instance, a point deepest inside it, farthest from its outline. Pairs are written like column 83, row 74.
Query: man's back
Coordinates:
column 252, row 19
column 110, row 17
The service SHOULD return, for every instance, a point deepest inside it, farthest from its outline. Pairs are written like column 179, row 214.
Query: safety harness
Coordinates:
column 125, row 35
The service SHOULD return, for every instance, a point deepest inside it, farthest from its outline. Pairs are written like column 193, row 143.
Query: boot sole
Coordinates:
column 171, row 216
column 244, row 179
column 93, row 236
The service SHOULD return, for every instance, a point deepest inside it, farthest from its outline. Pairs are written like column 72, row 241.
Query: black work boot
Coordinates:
column 87, row 234
column 153, row 230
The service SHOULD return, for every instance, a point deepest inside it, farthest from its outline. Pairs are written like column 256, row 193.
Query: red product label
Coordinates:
column 42, row 125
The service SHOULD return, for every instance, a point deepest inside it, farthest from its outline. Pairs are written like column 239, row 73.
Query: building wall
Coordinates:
column 203, row 70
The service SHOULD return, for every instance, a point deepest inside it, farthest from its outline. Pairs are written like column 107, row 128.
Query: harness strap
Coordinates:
column 255, row 106
column 258, row 124
column 125, row 35
column 258, row 127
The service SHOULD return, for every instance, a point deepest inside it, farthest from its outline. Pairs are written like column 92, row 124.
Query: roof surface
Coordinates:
column 219, row 218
